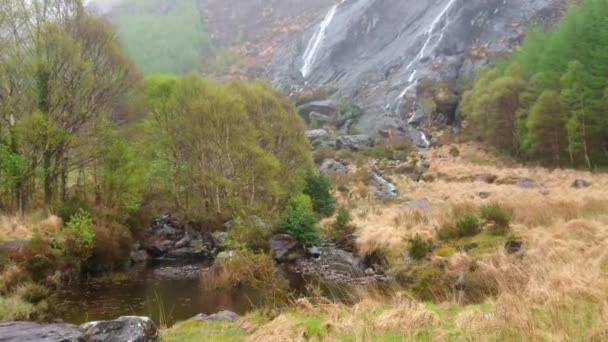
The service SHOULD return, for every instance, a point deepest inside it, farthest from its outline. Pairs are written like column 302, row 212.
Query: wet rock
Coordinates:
column 284, row 248
column 580, row 184
column 126, row 328
column 183, row 242
column 484, row 194
column 326, row 107
column 513, row 246
column 34, row 332
column 354, row 142
column 338, row 266
column 139, row 256
column 313, row 252
column 420, row 204
column 179, row 272
column 333, row 165
column 219, row 316
column 316, row 134
column 387, row 190
column 467, row 247
column 188, row 253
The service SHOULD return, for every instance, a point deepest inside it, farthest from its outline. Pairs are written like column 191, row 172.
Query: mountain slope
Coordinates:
column 376, row 52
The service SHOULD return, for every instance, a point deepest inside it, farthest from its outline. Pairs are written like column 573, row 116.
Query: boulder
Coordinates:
column 225, row 255
column 525, row 183
column 284, row 248
column 580, row 184
column 420, row 204
column 513, row 246
column 387, row 189
column 34, row 332
column 139, row 256
column 333, row 165
column 188, row 253
column 220, row 316
column 315, row 134
column 125, row 328
column 354, row 142
column 326, row 107
column 484, row 194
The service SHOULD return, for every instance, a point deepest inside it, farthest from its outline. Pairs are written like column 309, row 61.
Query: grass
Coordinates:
column 195, row 331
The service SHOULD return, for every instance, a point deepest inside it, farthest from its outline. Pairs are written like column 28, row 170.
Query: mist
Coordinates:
column 103, row 6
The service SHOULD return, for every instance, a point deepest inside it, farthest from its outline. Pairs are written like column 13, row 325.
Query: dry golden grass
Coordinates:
column 15, row 227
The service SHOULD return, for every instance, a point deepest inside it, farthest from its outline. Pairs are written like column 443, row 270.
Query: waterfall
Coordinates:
column 430, row 34
column 316, row 40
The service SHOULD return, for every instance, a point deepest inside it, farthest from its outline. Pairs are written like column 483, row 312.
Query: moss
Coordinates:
column 191, row 331
column 488, row 243
column 314, row 327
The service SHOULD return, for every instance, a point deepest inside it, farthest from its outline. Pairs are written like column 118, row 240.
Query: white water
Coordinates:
column 312, row 49
column 425, row 140
column 430, row 35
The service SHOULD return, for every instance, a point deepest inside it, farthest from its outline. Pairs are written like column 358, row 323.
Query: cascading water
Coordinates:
column 430, row 35
column 315, row 42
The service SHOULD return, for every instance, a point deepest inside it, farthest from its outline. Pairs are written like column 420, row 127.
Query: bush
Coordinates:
column 70, row 207
column 251, row 233
column 499, row 217
column 342, row 219
column 468, row 225
column 317, row 187
column 246, row 268
column 10, row 277
column 465, row 226
column 38, row 258
column 418, row 248
column 112, row 245
column 32, row 293
column 299, row 221
column 79, row 238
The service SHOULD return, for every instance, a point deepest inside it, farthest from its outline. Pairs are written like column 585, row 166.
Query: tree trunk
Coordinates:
column 48, row 179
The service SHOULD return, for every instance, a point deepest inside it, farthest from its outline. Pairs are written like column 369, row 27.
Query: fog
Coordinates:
column 103, row 5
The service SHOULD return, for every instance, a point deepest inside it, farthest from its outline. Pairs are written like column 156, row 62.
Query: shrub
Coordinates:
column 418, row 248
column 4, row 259
column 38, row 258
column 447, row 232
column 299, row 221
column 251, row 233
column 79, row 238
column 32, row 293
column 70, row 207
column 13, row 308
column 468, row 225
column 112, row 244
column 454, row 151
column 499, row 217
column 342, row 219
column 10, row 277
column 317, row 187
column 253, row 270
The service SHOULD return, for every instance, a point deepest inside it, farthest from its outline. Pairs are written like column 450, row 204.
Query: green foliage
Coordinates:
column 12, row 166
column 318, row 188
column 342, row 219
column 547, row 101
column 229, row 149
column 163, row 42
column 71, row 207
column 418, row 248
column 500, row 217
column 32, row 293
column 298, row 220
column 249, row 233
column 465, row 226
column 79, row 238
column 314, row 327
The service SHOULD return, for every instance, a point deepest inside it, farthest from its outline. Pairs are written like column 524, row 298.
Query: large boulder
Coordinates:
column 387, row 190
column 284, row 248
column 326, row 107
column 34, row 332
column 580, row 184
column 126, row 328
column 316, row 134
column 418, row 204
column 354, row 142
column 333, row 165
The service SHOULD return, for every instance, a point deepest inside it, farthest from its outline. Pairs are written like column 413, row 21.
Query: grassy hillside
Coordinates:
column 163, row 37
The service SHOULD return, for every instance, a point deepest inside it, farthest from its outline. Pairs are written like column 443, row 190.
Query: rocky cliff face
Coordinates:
column 378, row 53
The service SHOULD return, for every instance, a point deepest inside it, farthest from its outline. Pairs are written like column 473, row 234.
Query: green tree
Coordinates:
column 546, row 124
column 298, row 220
column 318, row 188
